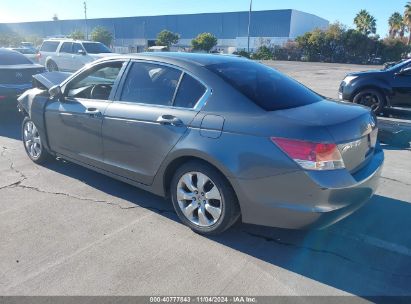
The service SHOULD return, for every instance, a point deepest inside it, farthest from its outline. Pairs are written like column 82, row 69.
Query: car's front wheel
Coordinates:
column 203, row 198
column 372, row 99
column 33, row 143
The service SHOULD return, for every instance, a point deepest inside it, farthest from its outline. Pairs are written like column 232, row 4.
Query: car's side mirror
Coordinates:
column 56, row 92
column 406, row 71
column 81, row 52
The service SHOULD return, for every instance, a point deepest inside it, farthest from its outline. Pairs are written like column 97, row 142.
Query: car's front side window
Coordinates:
column 96, row 83
column 66, row 47
column 151, row 84
column 77, row 48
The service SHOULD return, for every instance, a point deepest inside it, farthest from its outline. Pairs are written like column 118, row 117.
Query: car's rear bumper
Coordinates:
column 302, row 200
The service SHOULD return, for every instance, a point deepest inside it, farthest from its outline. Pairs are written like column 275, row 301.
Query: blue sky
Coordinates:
column 343, row 11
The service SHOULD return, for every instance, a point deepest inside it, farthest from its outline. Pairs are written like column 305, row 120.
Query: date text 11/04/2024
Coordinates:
column 205, row 299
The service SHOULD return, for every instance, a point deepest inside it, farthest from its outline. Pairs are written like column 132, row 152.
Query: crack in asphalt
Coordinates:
column 395, row 180
column 23, row 177
column 27, row 187
column 322, row 251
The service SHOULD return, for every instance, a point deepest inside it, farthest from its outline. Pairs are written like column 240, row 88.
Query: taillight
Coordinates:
column 38, row 56
column 311, row 155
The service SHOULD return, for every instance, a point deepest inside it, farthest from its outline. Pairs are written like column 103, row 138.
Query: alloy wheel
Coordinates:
column 370, row 100
column 199, row 199
column 32, row 140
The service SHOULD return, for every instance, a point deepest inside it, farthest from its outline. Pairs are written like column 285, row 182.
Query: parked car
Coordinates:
column 374, row 60
column 29, row 53
column 70, row 55
column 379, row 89
column 16, row 73
column 390, row 64
column 223, row 136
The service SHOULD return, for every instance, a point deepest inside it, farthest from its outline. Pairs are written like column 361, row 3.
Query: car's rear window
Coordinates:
column 49, row 46
column 267, row 87
column 26, row 51
column 12, row 58
column 95, row 48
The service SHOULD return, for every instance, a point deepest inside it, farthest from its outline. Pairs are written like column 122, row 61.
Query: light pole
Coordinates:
column 85, row 18
column 249, row 25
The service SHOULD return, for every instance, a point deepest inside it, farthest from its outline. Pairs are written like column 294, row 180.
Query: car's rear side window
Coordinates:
column 265, row 86
column 49, row 46
column 13, row 58
column 189, row 92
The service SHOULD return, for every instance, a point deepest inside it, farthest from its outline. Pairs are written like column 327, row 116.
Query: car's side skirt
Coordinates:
column 109, row 174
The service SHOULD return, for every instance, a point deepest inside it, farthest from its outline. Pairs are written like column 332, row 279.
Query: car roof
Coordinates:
column 68, row 40
column 193, row 58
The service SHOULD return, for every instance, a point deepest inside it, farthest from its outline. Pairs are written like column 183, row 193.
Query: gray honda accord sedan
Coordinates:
column 224, row 137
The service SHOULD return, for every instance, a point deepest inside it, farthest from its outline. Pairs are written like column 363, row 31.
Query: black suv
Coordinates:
column 379, row 89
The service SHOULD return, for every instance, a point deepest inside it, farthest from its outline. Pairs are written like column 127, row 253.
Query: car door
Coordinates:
column 74, row 123
column 151, row 112
column 401, row 86
column 79, row 57
column 64, row 56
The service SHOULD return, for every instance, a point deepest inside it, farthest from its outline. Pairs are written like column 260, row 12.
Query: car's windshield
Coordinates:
column 265, row 86
column 400, row 65
column 13, row 58
column 95, row 48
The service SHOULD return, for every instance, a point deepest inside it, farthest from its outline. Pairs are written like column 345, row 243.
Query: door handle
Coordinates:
column 170, row 120
column 93, row 112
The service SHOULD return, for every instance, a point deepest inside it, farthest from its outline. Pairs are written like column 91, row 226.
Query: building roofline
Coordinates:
column 166, row 15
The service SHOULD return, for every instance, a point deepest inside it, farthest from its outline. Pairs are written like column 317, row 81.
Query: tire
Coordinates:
column 203, row 216
column 52, row 66
column 32, row 142
column 371, row 98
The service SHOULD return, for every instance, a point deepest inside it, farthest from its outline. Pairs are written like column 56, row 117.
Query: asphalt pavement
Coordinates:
column 66, row 230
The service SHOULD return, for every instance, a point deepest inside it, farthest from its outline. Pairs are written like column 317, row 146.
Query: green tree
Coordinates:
column 263, row 53
column 101, row 34
column 167, row 38
column 407, row 19
column 396, row 24
column 204, row 42
column 365, row 23
column 10, row 39
column 393, row 49
column 77, row 35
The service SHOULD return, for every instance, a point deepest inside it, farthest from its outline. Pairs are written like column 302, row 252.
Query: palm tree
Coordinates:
column 365, row 23
column 407, row 19
column 396, row 24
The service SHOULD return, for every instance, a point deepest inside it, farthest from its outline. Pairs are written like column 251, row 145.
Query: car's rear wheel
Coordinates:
column 33, row 143
column 203, row 198
column 372, row 99
column 52, row 66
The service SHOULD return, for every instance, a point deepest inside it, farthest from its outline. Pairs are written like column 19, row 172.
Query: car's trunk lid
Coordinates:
column 350, row 126
column 18, row 74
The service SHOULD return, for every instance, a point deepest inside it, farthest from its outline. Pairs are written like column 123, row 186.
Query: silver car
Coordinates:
column 222, row 136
